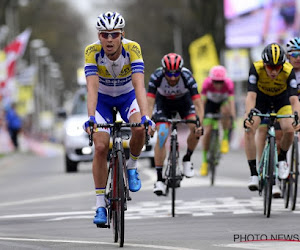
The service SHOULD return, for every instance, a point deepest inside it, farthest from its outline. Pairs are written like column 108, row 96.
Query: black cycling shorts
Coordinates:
column 166, row 108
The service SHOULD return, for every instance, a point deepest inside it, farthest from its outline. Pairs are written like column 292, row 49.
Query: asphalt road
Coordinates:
column 41, row 207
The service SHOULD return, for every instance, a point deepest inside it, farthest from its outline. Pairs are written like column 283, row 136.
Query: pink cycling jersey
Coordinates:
column 214, row 95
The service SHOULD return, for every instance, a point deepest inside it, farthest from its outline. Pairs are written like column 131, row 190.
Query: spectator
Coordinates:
column 14, row 124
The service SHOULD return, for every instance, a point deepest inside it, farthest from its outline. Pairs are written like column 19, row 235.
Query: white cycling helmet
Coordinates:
column 109, row 21
column 293, row 44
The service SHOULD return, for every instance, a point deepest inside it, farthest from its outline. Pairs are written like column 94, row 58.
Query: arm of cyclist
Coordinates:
column 140, row 93
column 92, row 99
column 199, row 111
column 296, row 107
column 250, row 104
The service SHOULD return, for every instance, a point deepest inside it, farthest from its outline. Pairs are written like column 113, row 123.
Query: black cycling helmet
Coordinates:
column 273, row 54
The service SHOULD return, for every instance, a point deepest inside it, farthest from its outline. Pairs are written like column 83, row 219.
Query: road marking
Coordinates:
column 274, row 245
column 162, row 209
column 95, row 243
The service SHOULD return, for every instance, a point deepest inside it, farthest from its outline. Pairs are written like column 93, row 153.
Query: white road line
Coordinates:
column 43, row 199
column 94, row 243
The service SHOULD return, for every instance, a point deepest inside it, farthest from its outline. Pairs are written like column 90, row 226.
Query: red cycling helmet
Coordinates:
column 172, row 62
column 218, row 73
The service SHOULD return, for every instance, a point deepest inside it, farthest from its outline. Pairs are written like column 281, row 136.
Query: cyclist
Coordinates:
column 173, row 89
column 218, row 97
column 293, row 54
column 114, row 70
column 271, row 81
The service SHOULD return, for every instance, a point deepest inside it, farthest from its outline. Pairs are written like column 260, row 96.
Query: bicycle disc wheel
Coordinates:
column 121, row 201
column 269, row 178
column 293, row 183
column 173, row 174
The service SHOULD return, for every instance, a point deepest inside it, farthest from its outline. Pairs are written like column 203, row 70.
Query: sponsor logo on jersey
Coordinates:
column 252, row 79
column 293, row 83
column 136, row 50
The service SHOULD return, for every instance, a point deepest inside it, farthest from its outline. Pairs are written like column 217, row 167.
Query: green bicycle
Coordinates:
column 267, row 167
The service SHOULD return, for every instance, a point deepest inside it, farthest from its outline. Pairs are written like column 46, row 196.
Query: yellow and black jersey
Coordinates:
column 259, row 81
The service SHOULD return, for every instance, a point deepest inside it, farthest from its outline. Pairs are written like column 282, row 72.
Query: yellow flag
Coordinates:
column 203, row 56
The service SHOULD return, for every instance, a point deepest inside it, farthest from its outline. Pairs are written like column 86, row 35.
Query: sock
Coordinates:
column 188, row 155
column 100, row 202
column 204, row 156
column 225, row 134
column 282, row 155
column 131, row 164
column 252, row 165
column 159, row 173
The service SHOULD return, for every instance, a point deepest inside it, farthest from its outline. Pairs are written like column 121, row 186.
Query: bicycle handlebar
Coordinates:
column 119, row 125
column 273, row 116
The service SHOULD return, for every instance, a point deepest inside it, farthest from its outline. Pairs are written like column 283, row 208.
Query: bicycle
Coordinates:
column 213, row 153
column 117, row 189
column 173, row 174
column 290, row 185
column 269, row 159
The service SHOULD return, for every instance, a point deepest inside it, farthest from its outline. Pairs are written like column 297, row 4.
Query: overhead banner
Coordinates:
column 203, row 56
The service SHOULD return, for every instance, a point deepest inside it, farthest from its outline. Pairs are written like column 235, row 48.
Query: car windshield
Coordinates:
column 80, row 105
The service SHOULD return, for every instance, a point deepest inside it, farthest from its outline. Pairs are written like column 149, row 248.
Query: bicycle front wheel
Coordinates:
column 121, row 202
column 269, row 178
column 173, row 161
column 294, row 173
column 118, row 200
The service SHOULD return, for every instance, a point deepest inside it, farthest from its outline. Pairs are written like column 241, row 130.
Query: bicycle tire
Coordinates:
column 213, row 157
column 294, row 173
column 269, row 177
column 286, row 192
column 114, row 204
column 173, row 173
column 121, row 201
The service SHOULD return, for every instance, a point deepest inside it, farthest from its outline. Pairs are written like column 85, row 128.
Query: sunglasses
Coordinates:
column 294, row 54
column 272, row 67
column 173, row 73
column 113, row 35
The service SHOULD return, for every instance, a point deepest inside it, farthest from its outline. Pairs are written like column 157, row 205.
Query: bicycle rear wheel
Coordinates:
column 294, row 173
column 173, row 174
column 213, row 155
column 269, row 178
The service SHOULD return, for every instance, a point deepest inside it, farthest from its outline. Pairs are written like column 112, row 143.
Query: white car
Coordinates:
column 76, row 142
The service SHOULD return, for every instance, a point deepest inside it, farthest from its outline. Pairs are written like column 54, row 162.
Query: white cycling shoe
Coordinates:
column 276, row 192
column 159, row 188
column 283, row 170
column 253, row 183
column 188, row 169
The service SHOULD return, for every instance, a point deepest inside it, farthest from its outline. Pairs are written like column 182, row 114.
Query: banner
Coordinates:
column 13, row 51
column 203, row 56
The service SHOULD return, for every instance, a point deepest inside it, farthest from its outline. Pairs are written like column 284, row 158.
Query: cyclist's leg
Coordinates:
column 286, row 141
column 186, row 110
column 101, row 142
column 261, row 138
column 130, row 112
column 160, row 152
column 226, row 124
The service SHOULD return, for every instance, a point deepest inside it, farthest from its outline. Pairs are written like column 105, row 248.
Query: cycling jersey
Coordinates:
column 210, row 93
column 259, row 81
column 114, row 76
column 158, row 83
